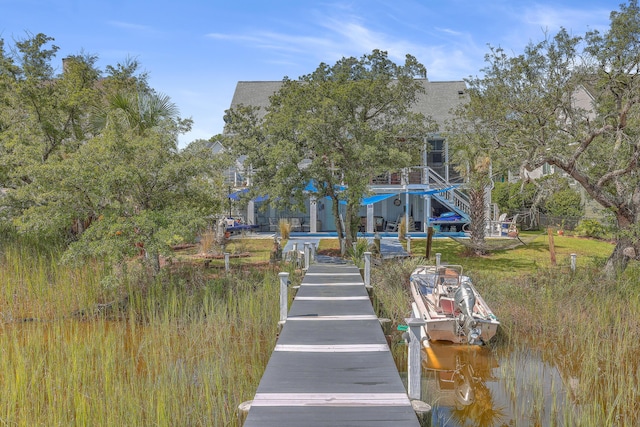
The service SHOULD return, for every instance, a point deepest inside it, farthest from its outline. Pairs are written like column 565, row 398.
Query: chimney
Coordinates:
column 65, row 64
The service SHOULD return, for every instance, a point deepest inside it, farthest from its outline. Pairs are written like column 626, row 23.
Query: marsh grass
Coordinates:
column 35, row 286
column 284, row 225
column 245, row 253
column 187, row 347
column 207, row 240
column 183, row 349
column 580, row 324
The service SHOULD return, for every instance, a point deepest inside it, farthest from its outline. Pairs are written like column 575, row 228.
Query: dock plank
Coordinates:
column 331, row 365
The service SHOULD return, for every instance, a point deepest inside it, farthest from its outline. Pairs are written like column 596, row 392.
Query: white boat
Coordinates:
column 451, row 306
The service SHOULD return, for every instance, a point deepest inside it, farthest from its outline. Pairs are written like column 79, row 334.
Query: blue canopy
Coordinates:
column 375, row 199
column 380, row 197
column 236, row 195
column 311, row 187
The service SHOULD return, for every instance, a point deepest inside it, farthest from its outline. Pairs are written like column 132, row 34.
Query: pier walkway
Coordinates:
column 331, row 365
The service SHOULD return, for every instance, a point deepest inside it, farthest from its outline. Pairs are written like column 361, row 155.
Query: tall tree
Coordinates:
column 42, row 115
column 98, row 157
column 531, row 110
column 336, row 127
column 474, row 166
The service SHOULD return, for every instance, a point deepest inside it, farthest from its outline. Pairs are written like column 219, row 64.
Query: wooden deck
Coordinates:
column 331, row 365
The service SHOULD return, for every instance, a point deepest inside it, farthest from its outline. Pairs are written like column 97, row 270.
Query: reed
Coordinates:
column 186, row 347
column 285, row 228
column 579, row 324
column 208, row 240
column 179, row 349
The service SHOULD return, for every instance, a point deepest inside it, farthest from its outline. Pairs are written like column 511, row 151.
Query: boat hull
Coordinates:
column 447, row 324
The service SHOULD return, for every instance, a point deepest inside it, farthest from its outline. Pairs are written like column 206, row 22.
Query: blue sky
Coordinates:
column 197, row 50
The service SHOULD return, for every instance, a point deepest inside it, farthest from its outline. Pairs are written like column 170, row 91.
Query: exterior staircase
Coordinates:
column 455, row 200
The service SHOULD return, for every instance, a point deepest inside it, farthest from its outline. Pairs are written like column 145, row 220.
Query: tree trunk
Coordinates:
column 478, row 221
column 627, row 245
column 352, row 223
column 617, row 262
column 338, row 220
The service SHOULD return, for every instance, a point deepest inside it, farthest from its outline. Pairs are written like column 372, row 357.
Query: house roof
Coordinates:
column 437, row 101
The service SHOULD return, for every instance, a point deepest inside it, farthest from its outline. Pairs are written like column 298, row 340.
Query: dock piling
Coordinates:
column 367, row 269
column 414, row 360
column 307, row 255
column 284, row 296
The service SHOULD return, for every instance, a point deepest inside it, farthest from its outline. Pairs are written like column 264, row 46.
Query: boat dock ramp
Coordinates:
column 331, row 365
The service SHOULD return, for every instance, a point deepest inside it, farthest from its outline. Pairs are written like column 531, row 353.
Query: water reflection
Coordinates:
column 456, row 379
column 480, row 386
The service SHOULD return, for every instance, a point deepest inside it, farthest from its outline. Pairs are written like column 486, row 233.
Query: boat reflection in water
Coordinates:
column 454, row 380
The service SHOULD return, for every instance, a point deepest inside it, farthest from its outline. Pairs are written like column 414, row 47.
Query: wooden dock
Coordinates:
column 331, row 365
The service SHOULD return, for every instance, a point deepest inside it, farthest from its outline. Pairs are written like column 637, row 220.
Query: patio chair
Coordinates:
column 296, row 224
column 393, row 226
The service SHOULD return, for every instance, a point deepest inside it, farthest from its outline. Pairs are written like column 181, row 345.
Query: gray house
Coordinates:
column 420, row 193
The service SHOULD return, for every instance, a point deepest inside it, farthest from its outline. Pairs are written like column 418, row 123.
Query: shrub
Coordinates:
column 564, row 202
column 356, row 253
column 590, row 228
column 285, row 228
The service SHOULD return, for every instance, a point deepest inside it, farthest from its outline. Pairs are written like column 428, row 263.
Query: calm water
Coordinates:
column 480, row 386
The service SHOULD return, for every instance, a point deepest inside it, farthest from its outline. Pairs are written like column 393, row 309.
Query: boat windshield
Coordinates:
column 428, row 277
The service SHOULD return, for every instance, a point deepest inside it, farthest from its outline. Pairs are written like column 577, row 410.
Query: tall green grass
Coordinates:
column 82, row 346
column 581, row 324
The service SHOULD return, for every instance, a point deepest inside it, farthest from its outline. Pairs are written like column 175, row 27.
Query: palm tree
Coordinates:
column 475, row 167
column 137, row 111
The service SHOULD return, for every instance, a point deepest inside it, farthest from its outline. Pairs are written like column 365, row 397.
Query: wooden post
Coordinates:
column 552, row 248
column 284, row 296
column 243, row 411
column 226, row 262
column 367, row 269
column 414, row 360
column 307, row 255
column 427, row 254
column 376, row 242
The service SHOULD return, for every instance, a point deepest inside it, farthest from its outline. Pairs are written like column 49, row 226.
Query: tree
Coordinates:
column 529, row 108
column 345, row 123
column 42, row 116
column 96, row 160
column 475, row 167
column 141, row 193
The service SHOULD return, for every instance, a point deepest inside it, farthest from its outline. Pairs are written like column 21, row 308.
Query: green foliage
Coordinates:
column 94, row 161
column 348, row 122
column 569, row 102
column 513, row 196
column 565, row 202
column 357, row 250
column 590, row 228
column 551, row 194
